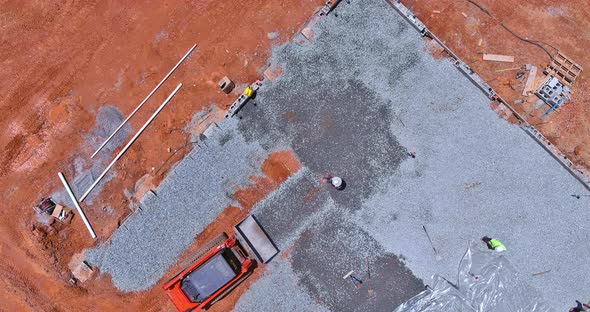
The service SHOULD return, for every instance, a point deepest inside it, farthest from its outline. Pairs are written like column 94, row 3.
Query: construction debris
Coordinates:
column 226, row 85
column 62, row 214
column 46, row 205
column 528, row 86
column 498, row 58
column 81, row 270
column 353, row 279
column 564, row 68
column 59, row 212
column 554, row 93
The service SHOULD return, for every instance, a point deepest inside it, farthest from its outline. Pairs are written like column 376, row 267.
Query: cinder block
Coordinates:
column 226, row 85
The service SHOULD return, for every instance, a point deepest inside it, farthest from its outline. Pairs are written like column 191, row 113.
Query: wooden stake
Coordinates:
column 507, row 69
column 528, row 86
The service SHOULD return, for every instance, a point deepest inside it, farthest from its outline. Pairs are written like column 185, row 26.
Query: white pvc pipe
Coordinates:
column 82, row 215
column 142, row 102
column 129, row 143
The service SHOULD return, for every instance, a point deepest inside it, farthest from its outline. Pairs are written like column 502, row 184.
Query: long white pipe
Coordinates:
column 142, row 102
column 130, row 142
column 82, row 215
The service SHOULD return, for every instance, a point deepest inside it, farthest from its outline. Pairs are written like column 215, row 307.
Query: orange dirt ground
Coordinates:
column 564, row 24
column 60, row 63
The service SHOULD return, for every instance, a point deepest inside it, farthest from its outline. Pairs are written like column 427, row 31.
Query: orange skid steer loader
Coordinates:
column 219, row 266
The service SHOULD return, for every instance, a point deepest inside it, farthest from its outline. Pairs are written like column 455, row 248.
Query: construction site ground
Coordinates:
column 352, row 100
column 564, row 25
column 70, row 73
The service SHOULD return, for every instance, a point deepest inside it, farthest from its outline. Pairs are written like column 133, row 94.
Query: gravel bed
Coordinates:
column 194, row 193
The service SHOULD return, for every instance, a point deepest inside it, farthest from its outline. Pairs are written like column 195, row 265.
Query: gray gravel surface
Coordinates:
column 281, row 284
column 337, row 123
column 193, row 194
column 353, row 102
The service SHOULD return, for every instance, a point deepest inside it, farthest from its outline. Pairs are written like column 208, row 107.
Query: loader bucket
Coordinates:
column 255, row 239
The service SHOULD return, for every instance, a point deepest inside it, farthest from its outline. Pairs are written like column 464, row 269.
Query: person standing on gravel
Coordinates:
column 336, row 182
column 494, row 244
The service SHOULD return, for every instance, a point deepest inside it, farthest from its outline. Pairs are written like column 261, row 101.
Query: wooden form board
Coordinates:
column 498, row 58
column 528, row 86
column 564, row 69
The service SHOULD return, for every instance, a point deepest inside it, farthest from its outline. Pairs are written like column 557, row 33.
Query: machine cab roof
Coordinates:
column 211, row 276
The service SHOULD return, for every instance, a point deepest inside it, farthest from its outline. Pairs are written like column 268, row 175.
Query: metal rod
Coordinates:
column 507, row 69
column 142, row 102
column 129, row 143
column 82, row 215
column 541, row 273
column 437, row 256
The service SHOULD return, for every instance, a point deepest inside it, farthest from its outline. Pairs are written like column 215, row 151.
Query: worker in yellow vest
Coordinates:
column 494, row 244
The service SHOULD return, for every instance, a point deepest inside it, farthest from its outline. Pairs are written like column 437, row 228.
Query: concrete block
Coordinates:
column 226, row 85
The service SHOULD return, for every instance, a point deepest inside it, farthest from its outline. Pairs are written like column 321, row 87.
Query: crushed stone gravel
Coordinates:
column 194, row 193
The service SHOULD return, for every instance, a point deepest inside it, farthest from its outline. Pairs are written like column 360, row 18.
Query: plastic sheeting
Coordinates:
column 487, row 282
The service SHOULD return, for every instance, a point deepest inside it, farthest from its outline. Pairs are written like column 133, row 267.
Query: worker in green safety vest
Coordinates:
column 494, row 244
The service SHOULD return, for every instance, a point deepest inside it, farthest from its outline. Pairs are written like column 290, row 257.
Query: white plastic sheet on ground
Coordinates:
column 487, row 282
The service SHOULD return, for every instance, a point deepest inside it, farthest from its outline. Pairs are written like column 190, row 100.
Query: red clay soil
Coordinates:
column 562, row 23
column 100, row 295
column 60, row 63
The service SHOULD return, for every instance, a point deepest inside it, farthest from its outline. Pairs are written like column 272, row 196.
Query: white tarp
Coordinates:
column 487, row 282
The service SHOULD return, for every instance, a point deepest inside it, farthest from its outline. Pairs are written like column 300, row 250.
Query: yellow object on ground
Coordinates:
column 248, row 92
column 497, row 245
